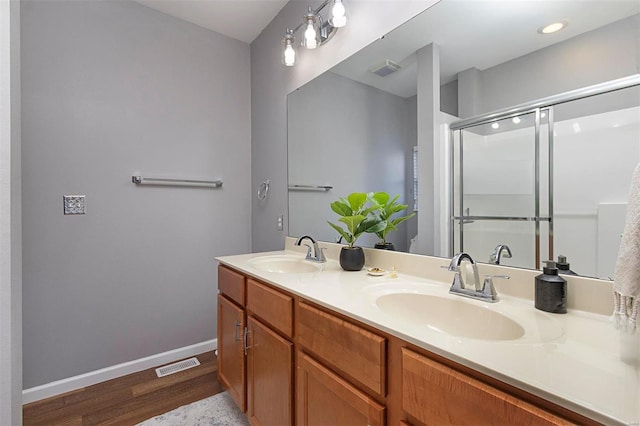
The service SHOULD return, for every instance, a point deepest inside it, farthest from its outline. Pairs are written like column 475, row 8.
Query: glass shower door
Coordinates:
column 501, row 174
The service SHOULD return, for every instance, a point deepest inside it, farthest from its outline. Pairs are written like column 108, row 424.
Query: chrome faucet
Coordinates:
column 318, row 253
column 497, row 252
column 485, row 292
column 454, row 266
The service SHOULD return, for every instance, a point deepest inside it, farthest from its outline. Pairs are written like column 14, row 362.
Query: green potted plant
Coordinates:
column 387, row 207
column 357, row 217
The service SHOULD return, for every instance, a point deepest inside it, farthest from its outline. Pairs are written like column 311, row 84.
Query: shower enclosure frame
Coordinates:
column 533, row 107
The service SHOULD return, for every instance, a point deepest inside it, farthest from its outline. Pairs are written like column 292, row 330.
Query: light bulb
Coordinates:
column 338, row 19
column 289, row 55
column 310, row 36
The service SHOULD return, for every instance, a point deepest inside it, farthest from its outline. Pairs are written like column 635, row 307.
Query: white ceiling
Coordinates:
column 481, row 34
column 243, row 20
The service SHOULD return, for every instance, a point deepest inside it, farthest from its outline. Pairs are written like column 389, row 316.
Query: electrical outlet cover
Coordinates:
column 74, row 204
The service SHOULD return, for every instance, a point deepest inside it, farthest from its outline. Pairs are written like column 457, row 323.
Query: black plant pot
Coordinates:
column 385, row 246
column 352, row 258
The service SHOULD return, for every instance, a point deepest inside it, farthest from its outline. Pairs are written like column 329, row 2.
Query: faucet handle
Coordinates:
column 487, row 287
column 488, row 279
column 320, row 254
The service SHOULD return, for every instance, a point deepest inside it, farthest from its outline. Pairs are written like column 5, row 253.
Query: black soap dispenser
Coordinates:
column 563, row 266
column 551, row 290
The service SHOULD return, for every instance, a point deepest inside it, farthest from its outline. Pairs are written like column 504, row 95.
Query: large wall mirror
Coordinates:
column 355, row 127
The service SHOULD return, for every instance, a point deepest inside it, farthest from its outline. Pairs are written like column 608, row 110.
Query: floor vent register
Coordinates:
column 177, row 367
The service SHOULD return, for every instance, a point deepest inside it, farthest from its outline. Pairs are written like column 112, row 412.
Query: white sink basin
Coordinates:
column 284, row 264
column 426, row 306
column 452, row 316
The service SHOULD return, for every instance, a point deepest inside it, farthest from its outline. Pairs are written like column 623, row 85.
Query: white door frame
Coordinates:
column 10, row 217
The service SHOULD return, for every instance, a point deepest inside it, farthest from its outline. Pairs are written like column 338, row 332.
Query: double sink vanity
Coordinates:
column 301, row 342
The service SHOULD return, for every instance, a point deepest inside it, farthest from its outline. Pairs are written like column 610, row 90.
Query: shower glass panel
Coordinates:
column 596, row 148
column 498, row 181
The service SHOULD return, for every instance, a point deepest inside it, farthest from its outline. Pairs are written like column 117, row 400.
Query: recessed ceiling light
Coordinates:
column 495, row 126
column 516, row 120
column 552, row 28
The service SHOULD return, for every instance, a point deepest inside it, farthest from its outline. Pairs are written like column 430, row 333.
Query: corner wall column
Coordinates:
column 428, row 148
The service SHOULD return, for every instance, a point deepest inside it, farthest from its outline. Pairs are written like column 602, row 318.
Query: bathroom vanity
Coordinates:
column 305, row 343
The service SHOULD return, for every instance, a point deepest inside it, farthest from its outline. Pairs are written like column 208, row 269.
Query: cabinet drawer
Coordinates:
column 436, row 394
column 231, row 284
column 270, row 305
column 347, row 348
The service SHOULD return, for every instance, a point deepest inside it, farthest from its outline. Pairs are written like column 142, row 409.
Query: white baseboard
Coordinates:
column 72, row 383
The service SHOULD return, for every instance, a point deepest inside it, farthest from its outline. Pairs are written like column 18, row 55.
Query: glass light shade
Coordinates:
column 289, row 55
column 310, row 35
column 338, row 14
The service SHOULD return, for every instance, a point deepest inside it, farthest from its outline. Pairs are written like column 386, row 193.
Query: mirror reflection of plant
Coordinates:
column 357, row 217
column 386, row 208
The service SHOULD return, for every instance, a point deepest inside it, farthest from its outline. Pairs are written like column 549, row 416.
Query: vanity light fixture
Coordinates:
column 317, row 30
column 553, row 27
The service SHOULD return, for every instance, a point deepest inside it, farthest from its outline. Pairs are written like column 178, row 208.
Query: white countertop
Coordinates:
column 577, row 366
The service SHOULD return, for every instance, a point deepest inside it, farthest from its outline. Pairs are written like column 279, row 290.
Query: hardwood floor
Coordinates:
column 127, row 400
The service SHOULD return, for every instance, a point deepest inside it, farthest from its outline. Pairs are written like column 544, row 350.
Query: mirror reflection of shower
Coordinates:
column 548, row 181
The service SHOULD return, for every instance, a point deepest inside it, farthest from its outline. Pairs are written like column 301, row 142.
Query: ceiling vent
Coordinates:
column 385, row 68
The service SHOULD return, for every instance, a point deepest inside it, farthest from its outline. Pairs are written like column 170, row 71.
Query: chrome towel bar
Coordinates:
column 310, row 188
column 140, row 180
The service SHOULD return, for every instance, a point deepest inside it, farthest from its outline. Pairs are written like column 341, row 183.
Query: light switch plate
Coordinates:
column 74, row 204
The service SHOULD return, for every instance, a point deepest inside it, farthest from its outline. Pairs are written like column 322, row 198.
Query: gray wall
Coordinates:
column 604, row 54
column 10, row 220
column 271, row 82
column 110, row 89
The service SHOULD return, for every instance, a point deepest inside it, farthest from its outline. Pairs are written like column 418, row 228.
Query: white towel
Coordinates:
column 626, row 287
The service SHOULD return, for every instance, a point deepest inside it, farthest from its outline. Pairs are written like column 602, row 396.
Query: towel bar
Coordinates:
column 140, row 180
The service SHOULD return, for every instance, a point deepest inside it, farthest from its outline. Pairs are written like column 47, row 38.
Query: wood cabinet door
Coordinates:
column 324, row 398
column 231, row 359
column 269, row 376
